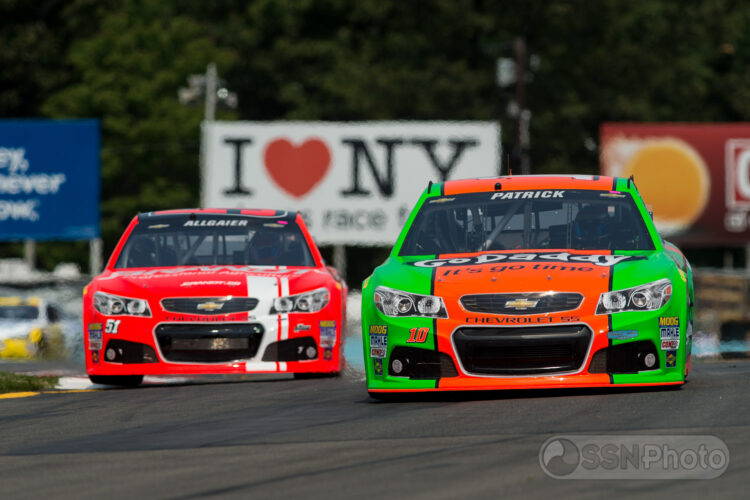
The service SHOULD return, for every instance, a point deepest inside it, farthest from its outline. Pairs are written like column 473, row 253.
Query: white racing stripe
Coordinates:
column 283, row 318
column 266, row 289
column 284, row 332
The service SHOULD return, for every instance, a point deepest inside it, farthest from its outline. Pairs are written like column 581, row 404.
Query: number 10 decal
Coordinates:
column 418, row 335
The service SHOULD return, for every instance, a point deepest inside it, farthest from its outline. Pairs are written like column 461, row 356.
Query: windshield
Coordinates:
column 511, row 220
column 19, row 312
column 214, row 239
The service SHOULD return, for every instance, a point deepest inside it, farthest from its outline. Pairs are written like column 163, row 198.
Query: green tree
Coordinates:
column 33, row 42
column 122, row 61
column 129, row 73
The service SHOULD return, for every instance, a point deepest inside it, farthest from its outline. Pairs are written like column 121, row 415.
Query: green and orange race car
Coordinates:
column 528, row 282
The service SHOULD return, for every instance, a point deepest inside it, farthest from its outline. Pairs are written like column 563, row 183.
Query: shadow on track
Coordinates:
column 464, row 396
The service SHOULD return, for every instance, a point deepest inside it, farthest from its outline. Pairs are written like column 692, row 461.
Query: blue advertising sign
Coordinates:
column 49, row 179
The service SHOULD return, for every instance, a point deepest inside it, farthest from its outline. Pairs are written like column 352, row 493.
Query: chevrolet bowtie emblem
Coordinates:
column 209, row 306
column 521, row 303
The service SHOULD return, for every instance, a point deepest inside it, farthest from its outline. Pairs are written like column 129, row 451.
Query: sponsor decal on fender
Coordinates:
column 95, row 340
column 622, row 334
column 377, row 365
column 669, row 331
column 378, row 341
column 598, row 259
column 671, row 359
column 670, row 344
column 95, row 336
column 327, row 333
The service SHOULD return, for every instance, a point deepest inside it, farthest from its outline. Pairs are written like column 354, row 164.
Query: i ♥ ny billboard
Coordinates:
column 695, row 176
column 354, row 183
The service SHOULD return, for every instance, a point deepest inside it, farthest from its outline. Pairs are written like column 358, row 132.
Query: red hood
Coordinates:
column 205, row 280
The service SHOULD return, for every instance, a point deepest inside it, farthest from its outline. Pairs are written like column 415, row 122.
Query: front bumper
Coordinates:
column 288, row 343
column 546, row 351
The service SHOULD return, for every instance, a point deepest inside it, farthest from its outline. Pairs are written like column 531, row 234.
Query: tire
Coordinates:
column 308, row 376
column 121, row 380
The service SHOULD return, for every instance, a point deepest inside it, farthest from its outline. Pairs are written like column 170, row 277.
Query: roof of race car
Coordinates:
column 260, row 213
column 528, row 182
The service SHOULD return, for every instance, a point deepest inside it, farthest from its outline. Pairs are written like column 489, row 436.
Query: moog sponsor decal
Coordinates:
column 378, row 341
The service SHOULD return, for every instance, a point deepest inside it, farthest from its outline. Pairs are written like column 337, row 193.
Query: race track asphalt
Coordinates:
column 283, row 438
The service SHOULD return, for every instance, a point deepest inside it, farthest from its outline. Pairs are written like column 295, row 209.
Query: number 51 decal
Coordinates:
column 112, row 325
column 418, row 335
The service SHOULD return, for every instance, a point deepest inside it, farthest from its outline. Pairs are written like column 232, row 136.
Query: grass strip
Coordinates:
column 16, row 382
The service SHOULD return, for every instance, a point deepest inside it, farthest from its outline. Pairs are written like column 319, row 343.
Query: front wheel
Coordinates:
column 121, row 380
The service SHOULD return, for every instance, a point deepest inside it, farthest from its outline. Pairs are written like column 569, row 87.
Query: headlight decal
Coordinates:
column 307, row 302
column 397, row 303
column 646, row 297
column 116, row 305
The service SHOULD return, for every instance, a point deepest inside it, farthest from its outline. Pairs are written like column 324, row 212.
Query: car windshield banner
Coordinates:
column 355, row 183
column 49, row 179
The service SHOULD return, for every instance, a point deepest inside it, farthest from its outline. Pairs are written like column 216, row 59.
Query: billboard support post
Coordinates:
column 339, row 260
column 29, row 253
column 95, row 256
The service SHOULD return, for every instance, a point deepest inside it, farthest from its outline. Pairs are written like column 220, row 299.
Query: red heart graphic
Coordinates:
column 297, row 169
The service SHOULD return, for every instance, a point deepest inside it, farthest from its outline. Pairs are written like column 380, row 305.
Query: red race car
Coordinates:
column 212, row 292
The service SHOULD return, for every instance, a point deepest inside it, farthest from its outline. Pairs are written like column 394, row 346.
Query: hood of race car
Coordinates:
column 201, row 281
column 588, row 273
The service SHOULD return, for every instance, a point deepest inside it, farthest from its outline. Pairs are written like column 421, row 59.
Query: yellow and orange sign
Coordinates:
column 692, row 176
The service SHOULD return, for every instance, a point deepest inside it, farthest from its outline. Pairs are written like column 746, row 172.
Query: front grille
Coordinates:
column 521, row 303
column 209, row 305
column 522, row 351
column 208, row 343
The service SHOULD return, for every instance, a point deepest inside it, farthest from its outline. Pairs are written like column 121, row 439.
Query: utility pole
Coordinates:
column 211, row 88
column 523, row 140
column 213, row 91
column 212, row 77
